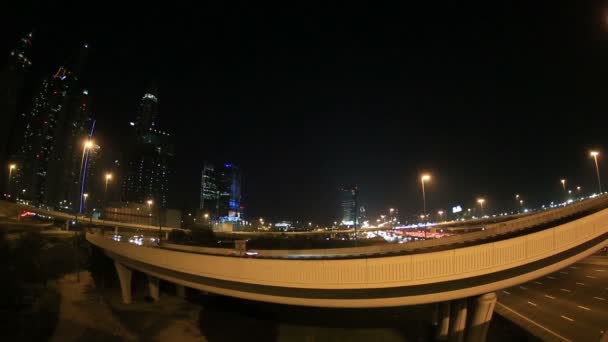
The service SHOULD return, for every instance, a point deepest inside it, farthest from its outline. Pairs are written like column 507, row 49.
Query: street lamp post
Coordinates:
column 594, row 154
column 521, row 204
column 563, row 181
column 424, row 178
column 87, row 145
column 11, row 167
column 85, row 196
column 149, row 202
column 481, row 201
column 105, row 191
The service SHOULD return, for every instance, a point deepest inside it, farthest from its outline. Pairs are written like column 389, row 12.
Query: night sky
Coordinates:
column 491, row 98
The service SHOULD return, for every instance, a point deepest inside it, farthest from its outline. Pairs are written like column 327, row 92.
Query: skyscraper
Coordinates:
column 349, row 205
column 52, row 134
column 12, row 85
column 209, row 189
column 229, row 194
column 221, row 192
column 147, row 166
column 39, row 136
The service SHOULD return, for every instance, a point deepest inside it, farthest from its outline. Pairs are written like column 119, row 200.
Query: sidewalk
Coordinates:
column 83, row 315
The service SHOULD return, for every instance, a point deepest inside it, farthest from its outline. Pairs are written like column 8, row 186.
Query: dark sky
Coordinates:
column 491, row 98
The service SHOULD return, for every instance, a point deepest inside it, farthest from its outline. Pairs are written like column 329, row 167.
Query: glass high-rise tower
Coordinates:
column 12, row 84
column 147, row 161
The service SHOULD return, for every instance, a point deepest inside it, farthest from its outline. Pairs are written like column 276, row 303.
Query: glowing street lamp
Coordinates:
column 84, row 197
column 149, row 202
column 594, row 154
column 105, row 191
column 11, row 167
column 563, row 181
column 424, row 178
column 87, row 145
column 481, row 201
column 440, row 213
column 108, row 178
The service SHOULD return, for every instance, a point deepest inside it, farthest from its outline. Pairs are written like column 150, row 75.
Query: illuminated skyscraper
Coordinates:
column 209, row 190
column 221, row 192
column 52, row 137
column 12, row 84
column 349, row 205
column 147, row 165
column 229, row 195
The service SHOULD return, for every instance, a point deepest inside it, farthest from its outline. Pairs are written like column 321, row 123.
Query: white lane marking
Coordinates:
column 550, row 277
column 506, row 292
column 529, row 302
column 523, row 287
column 565, row 290
column 538, row 282
column 600, row 298
column 549, row 296
column 574, row 267
column 584, row 308
column 600, row 270
column 577, row 283
column 562, row 272
column 568, row 318
column 591, row 277
column 533, row 322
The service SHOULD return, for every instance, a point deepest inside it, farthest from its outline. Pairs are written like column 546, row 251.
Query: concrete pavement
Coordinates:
column 568, row 305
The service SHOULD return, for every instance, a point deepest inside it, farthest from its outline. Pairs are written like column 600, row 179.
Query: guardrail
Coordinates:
column 491, row 231
column 576, row 239
column 97, row 222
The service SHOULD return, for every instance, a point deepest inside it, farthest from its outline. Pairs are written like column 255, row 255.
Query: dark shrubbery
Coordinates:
column 29, row 308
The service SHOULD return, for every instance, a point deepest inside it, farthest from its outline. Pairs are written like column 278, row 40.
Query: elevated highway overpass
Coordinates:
column 458, row 273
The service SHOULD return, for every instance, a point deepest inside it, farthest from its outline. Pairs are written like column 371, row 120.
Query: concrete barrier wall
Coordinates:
column 491, row 231
column 85, row 219
column 380, row 272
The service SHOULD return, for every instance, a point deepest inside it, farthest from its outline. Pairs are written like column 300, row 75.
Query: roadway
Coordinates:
column 568, row 305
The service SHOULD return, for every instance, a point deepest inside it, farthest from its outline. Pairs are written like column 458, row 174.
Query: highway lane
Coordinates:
column 571, row 304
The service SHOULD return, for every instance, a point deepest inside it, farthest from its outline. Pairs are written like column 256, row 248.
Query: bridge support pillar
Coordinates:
column 153, row 286
column 124, row 276
column 116, row 230
column 181, row 291
column 482, row 308
column 443, row 321
column 67, row 225
column 458, row 320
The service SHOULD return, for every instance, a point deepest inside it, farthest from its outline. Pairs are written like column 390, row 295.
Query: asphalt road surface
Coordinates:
column 569, row 305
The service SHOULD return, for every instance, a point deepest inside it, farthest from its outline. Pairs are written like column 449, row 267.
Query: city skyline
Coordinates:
column 374, row 107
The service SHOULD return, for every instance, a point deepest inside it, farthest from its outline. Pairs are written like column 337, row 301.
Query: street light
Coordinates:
column 86, row 146
column 85, row 196
column 481, row 201
column 105, row 191
column 563, row 181
column 423, row 178
column 11, row 167
column 440, row 213
column 594, row 154
column 149, row 202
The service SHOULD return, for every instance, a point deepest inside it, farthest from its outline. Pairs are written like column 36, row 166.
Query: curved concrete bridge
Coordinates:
column 460, row 273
